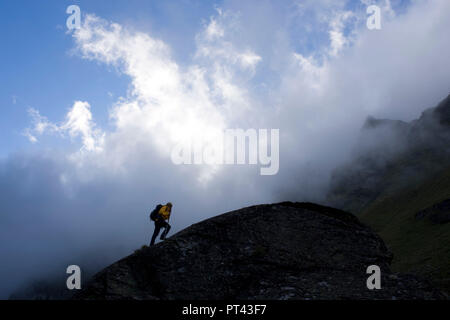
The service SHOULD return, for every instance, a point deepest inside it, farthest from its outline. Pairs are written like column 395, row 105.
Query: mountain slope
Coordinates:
column 278, row 251
column 419, row 245
column 399, row 170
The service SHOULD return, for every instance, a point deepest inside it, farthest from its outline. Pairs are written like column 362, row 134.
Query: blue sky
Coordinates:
column 88, row 118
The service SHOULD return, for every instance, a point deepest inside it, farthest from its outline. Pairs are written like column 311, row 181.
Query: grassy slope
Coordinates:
column 418, row 245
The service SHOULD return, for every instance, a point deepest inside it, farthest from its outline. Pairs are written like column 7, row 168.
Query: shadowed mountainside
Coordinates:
column 399, row 184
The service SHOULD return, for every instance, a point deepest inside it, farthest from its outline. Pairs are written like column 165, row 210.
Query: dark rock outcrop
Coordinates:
column 278, row 251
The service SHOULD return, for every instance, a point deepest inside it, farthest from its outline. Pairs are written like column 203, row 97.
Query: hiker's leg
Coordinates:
column 155, row 233
column 166, row 231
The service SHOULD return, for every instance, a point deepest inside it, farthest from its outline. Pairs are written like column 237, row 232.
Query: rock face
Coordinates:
column 277, row 251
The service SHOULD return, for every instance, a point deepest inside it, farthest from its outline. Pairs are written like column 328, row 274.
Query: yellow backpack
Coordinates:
column 164, row 212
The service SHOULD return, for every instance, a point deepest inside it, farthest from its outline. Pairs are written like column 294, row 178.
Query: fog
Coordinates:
column 88, row 203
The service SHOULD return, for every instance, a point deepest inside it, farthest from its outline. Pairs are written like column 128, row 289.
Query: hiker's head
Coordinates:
column 169, row 204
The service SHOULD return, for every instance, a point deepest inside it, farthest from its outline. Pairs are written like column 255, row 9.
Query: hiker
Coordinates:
column 160, row 214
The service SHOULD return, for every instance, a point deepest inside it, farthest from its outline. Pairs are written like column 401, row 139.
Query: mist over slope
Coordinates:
column 391, row 155
column 400, row 186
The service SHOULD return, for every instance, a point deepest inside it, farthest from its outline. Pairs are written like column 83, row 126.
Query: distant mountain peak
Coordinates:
column 442, row 111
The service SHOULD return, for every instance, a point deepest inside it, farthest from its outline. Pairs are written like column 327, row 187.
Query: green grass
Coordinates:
column 418, row 245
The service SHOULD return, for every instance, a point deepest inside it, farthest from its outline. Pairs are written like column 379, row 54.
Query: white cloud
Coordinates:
column 40, row 125
column 220, row 48
column 311, row 75
column 336, row 33
column 78, row 122
column 169, row 103
column 385, row 5
column 30, row 137
column 214, row 30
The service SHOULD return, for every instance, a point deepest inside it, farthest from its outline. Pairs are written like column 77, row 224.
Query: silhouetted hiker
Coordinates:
column 160, row 214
